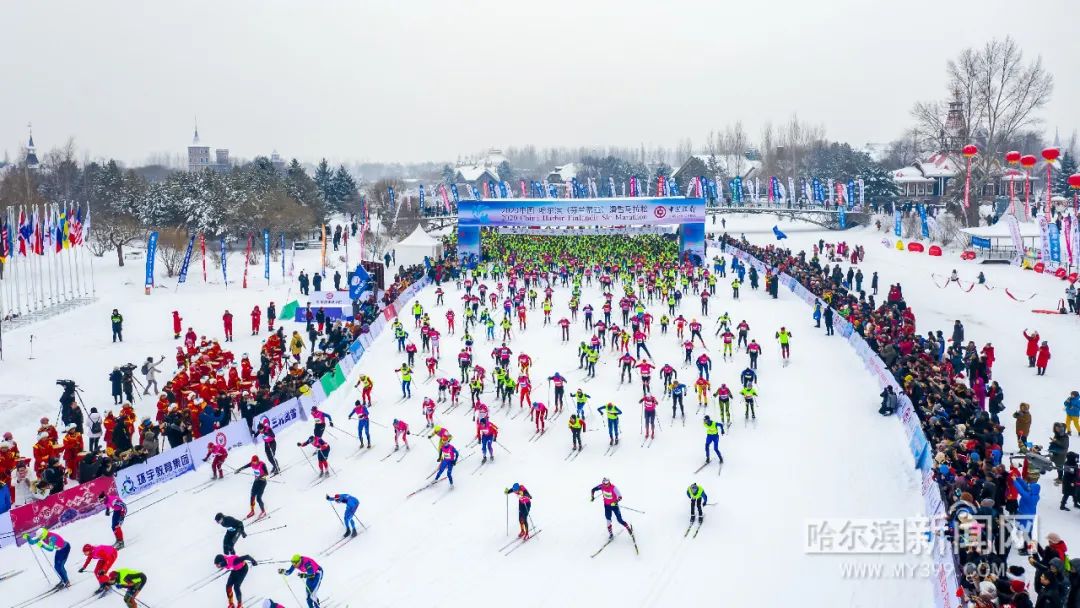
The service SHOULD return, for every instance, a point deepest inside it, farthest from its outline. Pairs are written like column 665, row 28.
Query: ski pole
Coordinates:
column 289, row 587
column 308, row 459
column 40, row 567
column 632, row 509
column 503, row 446
column 508, row 514
column 340, row 518
column 269, row 530
column 209, row 580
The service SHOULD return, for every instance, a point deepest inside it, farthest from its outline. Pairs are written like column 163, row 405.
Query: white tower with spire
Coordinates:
column 31, row 160
column 198, row 155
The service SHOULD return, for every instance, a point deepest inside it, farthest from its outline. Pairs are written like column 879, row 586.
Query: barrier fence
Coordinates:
column 945, row 572
column 82, row 501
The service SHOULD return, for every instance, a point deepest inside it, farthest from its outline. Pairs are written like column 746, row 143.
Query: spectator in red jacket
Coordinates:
column 1032, row 347
column 1042, row 358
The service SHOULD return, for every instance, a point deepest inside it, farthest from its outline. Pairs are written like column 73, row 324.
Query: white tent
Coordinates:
column 412, row 249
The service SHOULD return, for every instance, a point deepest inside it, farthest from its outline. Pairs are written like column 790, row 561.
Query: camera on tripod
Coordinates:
column 69, row 385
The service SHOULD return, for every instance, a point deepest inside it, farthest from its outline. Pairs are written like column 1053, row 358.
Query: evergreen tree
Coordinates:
column 301, row 188
column 505, row 171
column 324, row 179
column 1061, row 177
column 878, row 182
column 447, row 174
column 346, row 194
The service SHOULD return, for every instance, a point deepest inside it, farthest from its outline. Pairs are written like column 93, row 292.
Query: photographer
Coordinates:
column 128, row 380
column 150, row 370
column 95, row 430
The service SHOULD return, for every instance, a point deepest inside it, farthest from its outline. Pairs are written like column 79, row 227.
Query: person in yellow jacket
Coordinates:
column 296, row 345
column 577, row 427
column 132, row 581
column 749, row 395
column 406, row 380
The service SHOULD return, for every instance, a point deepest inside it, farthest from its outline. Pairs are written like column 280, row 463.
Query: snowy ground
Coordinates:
column 819, row 450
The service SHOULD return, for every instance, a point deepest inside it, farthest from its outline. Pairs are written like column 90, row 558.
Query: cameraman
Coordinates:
column 116, row 379
column 69, row 410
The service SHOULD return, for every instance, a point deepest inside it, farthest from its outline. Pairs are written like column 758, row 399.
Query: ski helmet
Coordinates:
column 295, row 558
column 605, row 480
column 219, row 560
column 219, row 517
column 254, row 458
column 86, row 549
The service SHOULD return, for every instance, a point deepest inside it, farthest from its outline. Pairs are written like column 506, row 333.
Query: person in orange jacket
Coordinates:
column 44, row 449
column 50, row 429
column 177, row 324
column 109, row 423
column 73, row 444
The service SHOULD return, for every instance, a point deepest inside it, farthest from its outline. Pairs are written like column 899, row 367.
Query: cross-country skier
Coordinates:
column 233, row 528
column 713, row 430
column 321, row 418
column 723, row 394
column 258, row 486
column 784, row 337
column 611, row 497
column 612, row 412
column 53, row 542
column 577, row 427
column 106, row 557
column 748, row 377
column 311, row 572
column 322, row 452
column 753, row 349
column 400, row 428
column 698, row 499
column 406, row 380
column 486, row 434
column 448, row 457
column 749, row 395
column 237, row 567
column 648, row 408
column 349, row 519
column 363, row 423
column 266, row 431
column 115, row 508
column 580, row 397
column 524, row 506
column 219, row 453
column 365, row 393
column 131, row 581
column 559, row 382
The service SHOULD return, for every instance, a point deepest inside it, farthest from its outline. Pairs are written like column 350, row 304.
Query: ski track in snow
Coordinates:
column 819, row 449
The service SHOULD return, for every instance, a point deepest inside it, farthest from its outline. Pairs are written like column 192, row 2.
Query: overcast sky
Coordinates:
column 405, row 80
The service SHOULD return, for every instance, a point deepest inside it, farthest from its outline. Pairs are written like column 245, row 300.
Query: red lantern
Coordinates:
column 970, row 150
column 1051, row 154
column 1074, row 181
column 1028, row 161
column 1012, row 157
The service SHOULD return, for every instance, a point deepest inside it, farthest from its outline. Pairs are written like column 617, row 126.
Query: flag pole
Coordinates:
column 86, row 234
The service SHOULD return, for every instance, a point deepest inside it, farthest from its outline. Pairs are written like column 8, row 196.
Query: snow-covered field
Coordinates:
column 818, row 450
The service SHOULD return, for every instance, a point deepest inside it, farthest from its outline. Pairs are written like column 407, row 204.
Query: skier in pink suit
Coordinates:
column 611, row 497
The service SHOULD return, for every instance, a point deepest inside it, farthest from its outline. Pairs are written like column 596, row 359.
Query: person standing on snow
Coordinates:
column 257, row 467
column 1042, row 359
column 524, row 506
column 117, row 321
column 177, row 324
column 150, row 371
column 713, row 430
column 1032, row 347
column 226, row 320
column 611, row 497
column 612, row 413
column 256, row 320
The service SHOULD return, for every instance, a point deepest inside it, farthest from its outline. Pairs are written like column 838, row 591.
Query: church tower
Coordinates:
column 198, row 155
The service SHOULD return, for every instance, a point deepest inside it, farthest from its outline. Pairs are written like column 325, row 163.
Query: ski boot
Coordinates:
column 354, row 532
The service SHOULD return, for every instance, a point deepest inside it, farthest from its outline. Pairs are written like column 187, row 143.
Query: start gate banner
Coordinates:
column 582, row 212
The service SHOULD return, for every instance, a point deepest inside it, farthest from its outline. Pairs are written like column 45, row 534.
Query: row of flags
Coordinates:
column 39, row 228
column 741, row 190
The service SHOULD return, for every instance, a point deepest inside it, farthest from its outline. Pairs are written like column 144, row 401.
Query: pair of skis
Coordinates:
column 519, row 542
column 611, row 538
column 574, row 453
column 719, row 469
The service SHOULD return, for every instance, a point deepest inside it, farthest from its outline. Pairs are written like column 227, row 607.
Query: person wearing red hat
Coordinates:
column 106, row 557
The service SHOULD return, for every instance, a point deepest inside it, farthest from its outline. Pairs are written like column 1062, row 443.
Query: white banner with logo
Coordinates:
column 330, row 299
column 167, row 465
column 232, row 435
column 283, row 415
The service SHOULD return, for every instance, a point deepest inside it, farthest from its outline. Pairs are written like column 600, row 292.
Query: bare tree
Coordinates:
column 172, row 245
column 1000, row 95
